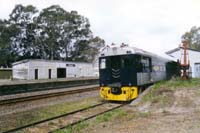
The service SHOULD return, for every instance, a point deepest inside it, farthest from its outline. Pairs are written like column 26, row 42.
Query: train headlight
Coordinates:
column 129, row 84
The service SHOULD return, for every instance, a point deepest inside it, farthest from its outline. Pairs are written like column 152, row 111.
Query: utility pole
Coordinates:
column 185, row 65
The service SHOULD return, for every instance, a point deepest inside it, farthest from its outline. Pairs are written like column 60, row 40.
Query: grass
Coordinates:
column 115, row 116
column 162, row 91
column 142, row 114
column 19, row 119
column 118, row 113
column 109, row 116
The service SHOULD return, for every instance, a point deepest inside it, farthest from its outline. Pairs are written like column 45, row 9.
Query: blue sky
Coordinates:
column 152, row 25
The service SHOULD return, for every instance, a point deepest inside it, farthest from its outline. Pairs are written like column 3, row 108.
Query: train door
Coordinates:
column 197, row 70
column 144, row 76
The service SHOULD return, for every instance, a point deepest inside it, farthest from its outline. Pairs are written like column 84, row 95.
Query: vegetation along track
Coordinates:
column 70, row 118
column 43, row 96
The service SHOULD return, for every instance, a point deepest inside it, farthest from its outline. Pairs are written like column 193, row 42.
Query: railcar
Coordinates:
column 124, row 72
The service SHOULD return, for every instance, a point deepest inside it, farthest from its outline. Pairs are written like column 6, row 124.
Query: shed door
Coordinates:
column 197, row 70
column 61, row 72
column 49, row 73
column 36, row 73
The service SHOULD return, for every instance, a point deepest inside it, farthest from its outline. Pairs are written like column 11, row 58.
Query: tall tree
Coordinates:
column 4, row 44
column 50, row 23
column 76, row 31
column 52, row 33
column 87, row 50
column 22, row 18
column 193, row 38
column 60, row 32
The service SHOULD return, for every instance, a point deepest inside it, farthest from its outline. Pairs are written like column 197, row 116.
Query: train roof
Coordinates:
column 125, row 49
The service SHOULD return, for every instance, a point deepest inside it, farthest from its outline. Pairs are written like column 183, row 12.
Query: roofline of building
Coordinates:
column 60, row 61
column 5, row 69
column 176, row 49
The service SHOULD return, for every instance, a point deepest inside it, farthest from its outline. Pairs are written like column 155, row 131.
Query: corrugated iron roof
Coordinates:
column 43, row 60
column 177, row 49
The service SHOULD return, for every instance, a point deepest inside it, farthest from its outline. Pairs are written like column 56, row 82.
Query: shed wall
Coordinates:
column 194, row 57
column 20, row 71
column 73, row 69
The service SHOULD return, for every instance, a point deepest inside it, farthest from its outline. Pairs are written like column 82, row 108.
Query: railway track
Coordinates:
column 43, row 96
column 87, row 118
column 70, row 118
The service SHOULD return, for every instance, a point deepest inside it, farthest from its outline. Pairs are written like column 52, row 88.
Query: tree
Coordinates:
column 77, row 31
column 4, row 43
column 50, row 23
column 88, row 50
column 23, row 42
column 61, row 32
column 193, row 38
column 52, row 33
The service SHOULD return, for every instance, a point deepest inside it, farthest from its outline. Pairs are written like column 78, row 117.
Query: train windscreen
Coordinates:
column 116, row 62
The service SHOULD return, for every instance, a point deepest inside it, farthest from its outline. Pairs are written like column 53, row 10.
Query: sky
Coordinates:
column 152, row 25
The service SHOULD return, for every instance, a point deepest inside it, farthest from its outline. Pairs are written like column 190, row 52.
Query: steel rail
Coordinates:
column 50, row 119
column 87, row 118
column 43, row 96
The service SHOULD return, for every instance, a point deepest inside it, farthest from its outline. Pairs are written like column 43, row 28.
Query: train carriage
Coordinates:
column 124, row 72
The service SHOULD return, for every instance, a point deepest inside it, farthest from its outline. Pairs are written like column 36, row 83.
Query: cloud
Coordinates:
column 153, row 25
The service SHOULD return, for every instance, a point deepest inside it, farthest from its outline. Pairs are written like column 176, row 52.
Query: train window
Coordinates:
column 137, row 64
column 126, row 62
column 115, row 62
column 162, row 68
column 145, row 64
column 103, row 64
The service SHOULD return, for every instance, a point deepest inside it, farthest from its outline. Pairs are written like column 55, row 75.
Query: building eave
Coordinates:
column 177, row 49
column 43, row 60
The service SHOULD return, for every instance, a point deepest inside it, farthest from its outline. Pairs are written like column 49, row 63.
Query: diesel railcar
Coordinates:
column 123, row 73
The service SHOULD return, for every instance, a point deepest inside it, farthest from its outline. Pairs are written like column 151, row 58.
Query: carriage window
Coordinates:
column 146, row 64
column 103, row 64
column 126, row 62
column 162, row 68
column 115, row 62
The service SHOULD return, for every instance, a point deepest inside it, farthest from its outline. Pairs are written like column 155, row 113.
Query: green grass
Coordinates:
column 162, row 91
column 109, row 116
column 19, row 119
column 75, row 129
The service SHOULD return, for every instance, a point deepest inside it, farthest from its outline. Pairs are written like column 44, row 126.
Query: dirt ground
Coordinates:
column 177, row 111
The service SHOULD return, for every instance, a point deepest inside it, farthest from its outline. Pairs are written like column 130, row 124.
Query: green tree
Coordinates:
column 4, row 44
column 87, row 50
column 23, row 41
column 52, row 33
column 77, row 31
column 50, row 23
column 193, row 38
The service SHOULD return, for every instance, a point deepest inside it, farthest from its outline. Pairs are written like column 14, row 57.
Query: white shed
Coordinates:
column 51, row 69
column 194, row 59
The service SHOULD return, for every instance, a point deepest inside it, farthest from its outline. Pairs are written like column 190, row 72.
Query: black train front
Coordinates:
column 124, row 71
